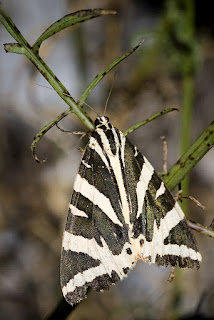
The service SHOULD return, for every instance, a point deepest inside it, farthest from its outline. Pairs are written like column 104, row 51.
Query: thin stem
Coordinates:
column 142, row 123
column 198, row 227
column 70, row 20
column 32, row 54
column 186, row 129
column 103, row 73
column 190, row 158
column 45, row 129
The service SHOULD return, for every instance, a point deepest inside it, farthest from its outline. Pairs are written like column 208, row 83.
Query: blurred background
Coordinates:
column 173, row 68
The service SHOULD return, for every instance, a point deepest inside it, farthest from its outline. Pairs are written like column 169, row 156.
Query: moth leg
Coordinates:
column 81, row 133
column 81, row 151
column 179, row 196
column 172, row 274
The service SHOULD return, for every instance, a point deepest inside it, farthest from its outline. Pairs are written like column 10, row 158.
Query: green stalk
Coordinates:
column 32, row 53
column 190, row 158
column 142, row 123
column 186, row 129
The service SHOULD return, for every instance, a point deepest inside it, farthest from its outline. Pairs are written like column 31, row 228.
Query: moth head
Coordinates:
column 102, row 121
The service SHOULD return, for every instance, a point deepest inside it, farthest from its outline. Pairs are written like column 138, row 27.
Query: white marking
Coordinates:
column 182, row 251
column 86, row 164
column 160, row 191
column 108, row 262
column 116, row 167
column 93, row 144
column 123, row 143
column 156, row 246
column 135, row 151
column 76, row 212
column 96, row 197
column 103, row 121
column 81, row 278
column 142, row 185
column 171, row 219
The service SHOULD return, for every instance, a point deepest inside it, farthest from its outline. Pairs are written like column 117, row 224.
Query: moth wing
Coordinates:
column 158, row 221
column 96, row 248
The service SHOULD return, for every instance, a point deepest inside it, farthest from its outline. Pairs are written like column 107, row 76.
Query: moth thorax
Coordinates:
column 102, row 122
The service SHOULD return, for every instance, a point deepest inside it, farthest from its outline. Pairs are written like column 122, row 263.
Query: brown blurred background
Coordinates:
column 34, row 197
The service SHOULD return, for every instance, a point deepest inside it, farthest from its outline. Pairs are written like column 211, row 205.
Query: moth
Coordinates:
column 120, row 212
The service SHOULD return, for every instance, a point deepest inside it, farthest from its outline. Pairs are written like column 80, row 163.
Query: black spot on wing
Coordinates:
column 129, row 251
column 141, row 242
column 125, row 270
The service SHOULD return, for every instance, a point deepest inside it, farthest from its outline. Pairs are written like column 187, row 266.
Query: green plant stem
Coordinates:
column 23, row 47
column 186, row 128
column 11, row 28
column 142, row 123
column 80, row 103
column 70, row 20
column 190, row 158
column 41, row 66
column 45, row 129
column 101, row 74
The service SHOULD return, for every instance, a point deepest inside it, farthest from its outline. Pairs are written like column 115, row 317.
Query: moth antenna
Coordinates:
column 91, row 108
column 107, row 100
column 41, row 85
